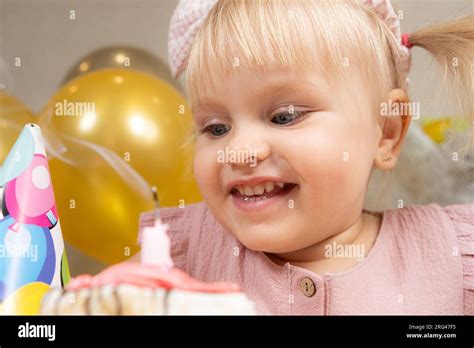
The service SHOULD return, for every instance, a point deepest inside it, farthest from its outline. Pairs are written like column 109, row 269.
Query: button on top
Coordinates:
column 307, row 287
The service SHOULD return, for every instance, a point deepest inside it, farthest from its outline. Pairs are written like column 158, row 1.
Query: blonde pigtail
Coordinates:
column 451, row 43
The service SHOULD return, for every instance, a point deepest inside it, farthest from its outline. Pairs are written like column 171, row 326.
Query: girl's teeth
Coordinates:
column 269, row 186
column 248, row 191
column 258, row 189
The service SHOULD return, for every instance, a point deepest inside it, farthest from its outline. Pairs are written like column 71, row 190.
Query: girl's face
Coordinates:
column 259, row 130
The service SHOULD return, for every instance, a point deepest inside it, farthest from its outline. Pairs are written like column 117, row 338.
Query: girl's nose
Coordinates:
column 247, row 149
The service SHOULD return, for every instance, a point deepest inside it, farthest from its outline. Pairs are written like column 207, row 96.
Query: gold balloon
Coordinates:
column 143, row 121
column 99, row 210
column 13, row 117
column 122, row 57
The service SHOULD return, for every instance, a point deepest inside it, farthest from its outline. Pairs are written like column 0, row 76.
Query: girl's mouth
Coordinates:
column 246, row 196
column 251, row 198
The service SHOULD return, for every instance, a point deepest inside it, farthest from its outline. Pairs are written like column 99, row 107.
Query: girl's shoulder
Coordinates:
column 459, row 216
column 416, row 219
column 462, row 217
column 432, row 230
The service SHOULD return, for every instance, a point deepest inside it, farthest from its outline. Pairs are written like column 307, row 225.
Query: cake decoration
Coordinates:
column 152, row 286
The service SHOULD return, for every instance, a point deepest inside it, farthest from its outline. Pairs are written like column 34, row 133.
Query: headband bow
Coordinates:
column 190, row 14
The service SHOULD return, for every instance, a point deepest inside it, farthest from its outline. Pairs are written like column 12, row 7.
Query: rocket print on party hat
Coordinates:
column 32, row 255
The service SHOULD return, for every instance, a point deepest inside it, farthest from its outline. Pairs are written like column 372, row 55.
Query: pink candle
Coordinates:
column 155, row 246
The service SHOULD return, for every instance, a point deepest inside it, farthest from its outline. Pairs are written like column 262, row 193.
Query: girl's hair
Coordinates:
column 344, row 39
column 452, row 45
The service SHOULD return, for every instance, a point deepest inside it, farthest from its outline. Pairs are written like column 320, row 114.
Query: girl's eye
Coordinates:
column 286, row 117
column 216, row 130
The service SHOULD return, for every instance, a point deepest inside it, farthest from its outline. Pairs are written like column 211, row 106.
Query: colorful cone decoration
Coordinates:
column 32, row 254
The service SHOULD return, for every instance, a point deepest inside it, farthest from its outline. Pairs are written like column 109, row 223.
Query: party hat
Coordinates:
column 32, row 254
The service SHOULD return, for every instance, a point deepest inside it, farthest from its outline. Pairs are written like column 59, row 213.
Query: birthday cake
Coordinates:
column 150, row 287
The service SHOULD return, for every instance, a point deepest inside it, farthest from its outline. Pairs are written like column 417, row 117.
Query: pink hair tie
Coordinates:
column 406, row 40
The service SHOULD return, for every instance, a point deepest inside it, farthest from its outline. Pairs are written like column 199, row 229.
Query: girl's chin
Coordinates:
column 269, row 243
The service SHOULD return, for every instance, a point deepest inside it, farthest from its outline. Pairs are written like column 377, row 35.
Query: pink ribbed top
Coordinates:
column 422, row 262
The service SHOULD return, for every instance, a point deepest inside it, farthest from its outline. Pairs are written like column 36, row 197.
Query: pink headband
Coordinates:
column 190, row 14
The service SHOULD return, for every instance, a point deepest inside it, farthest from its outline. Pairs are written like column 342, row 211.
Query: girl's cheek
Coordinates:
column 205, row 168
column 199, row 167
column 328, row 162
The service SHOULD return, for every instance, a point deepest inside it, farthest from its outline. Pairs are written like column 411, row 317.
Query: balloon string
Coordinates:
column 57, row 149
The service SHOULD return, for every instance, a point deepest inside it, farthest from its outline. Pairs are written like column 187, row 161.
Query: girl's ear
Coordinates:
column 395, row 120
